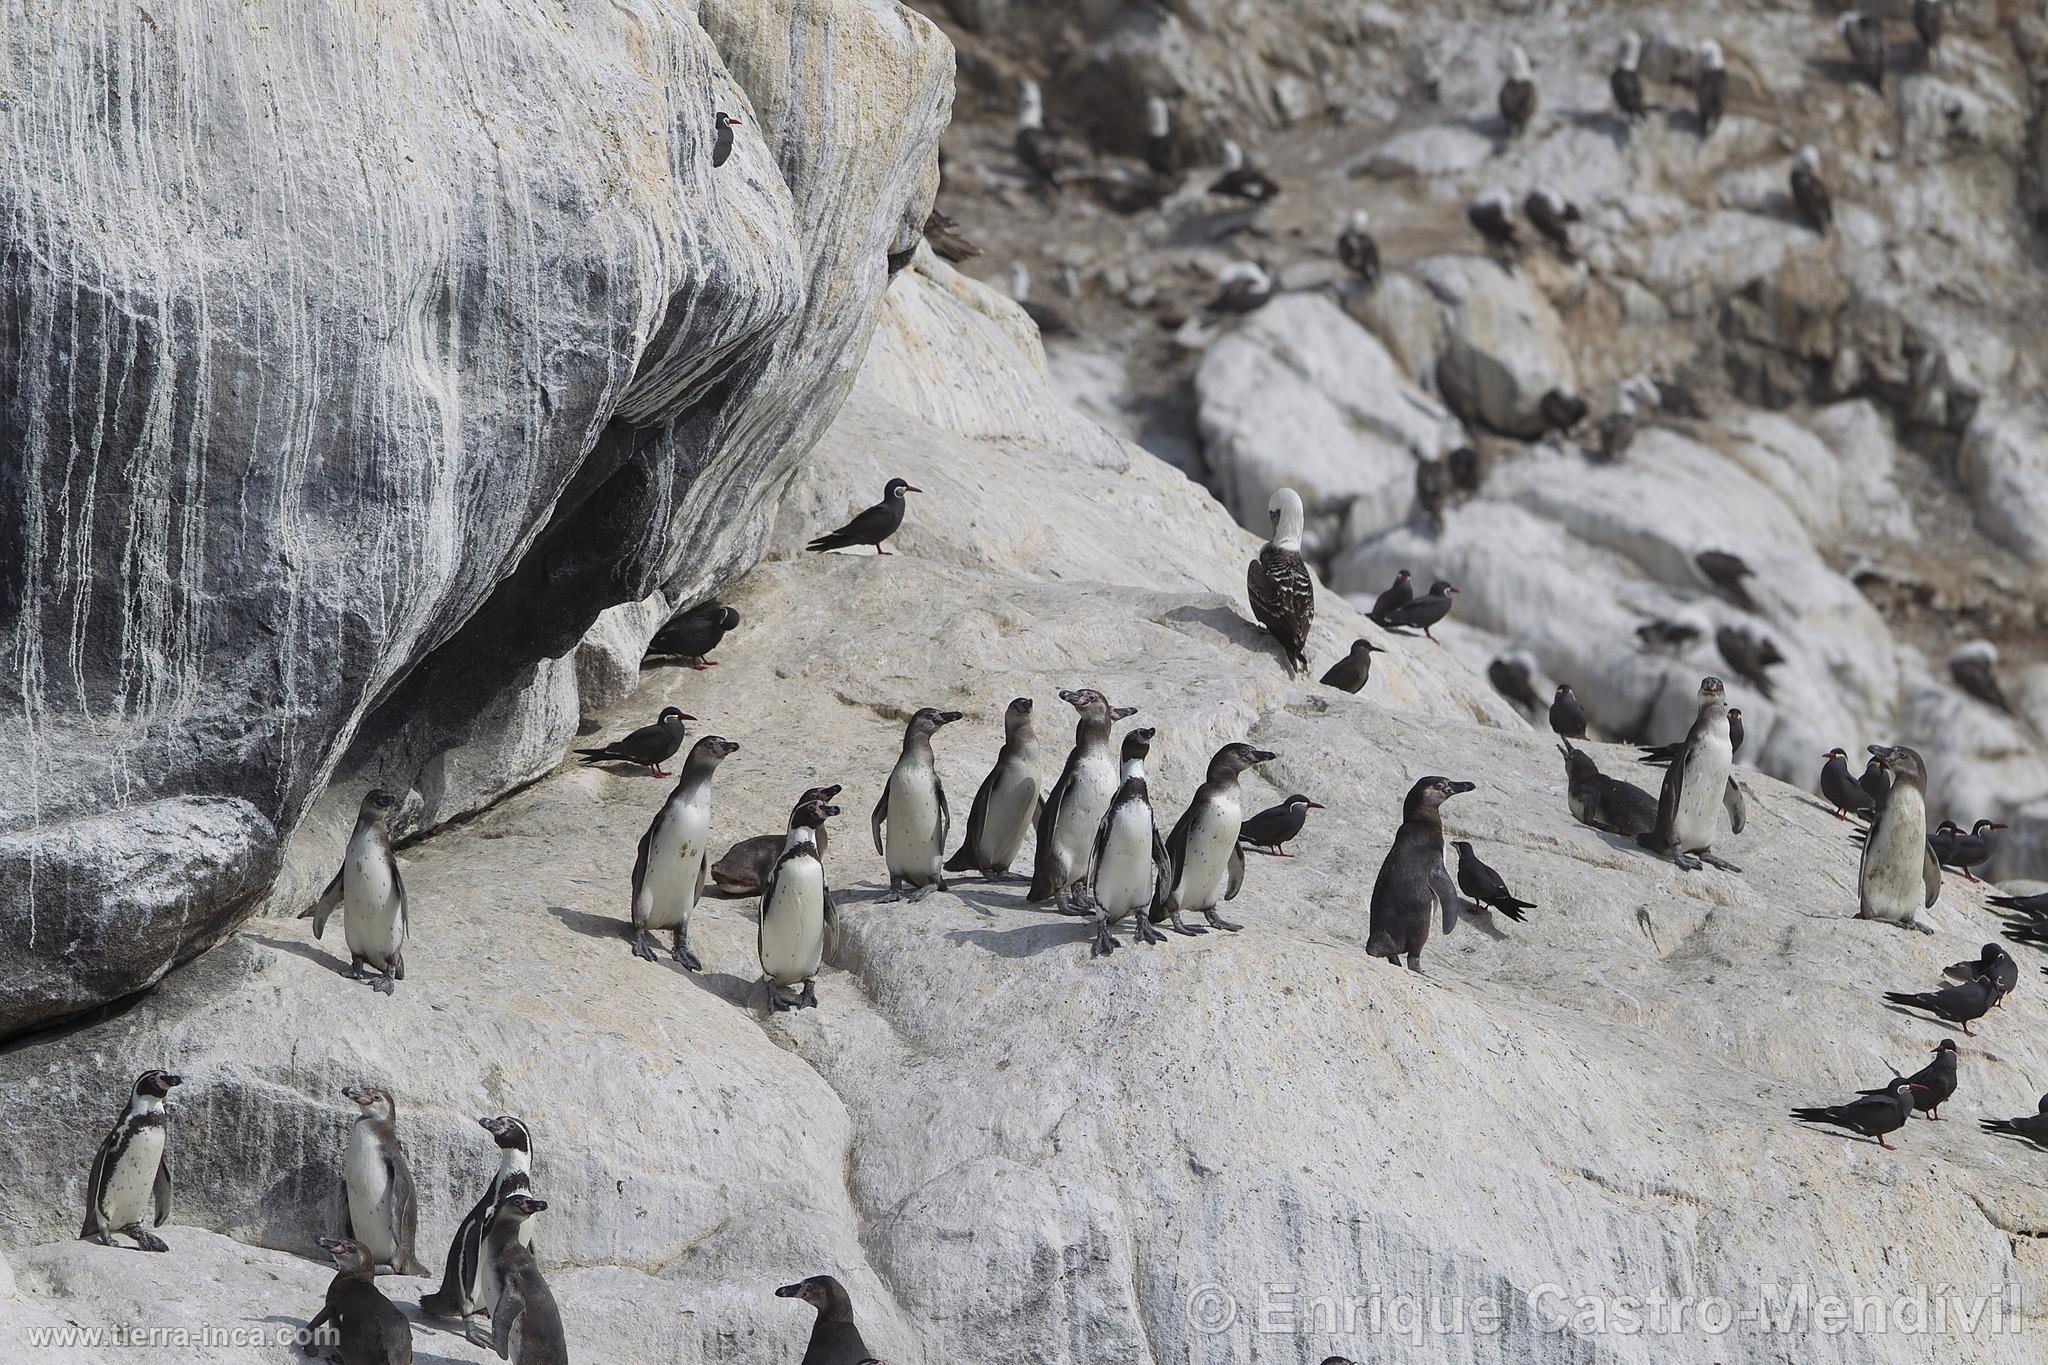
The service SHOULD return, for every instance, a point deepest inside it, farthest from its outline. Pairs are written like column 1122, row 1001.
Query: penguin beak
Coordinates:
column 173, row 1078
column 1122, row 712
column 948, row 717
column 1458, row 787
column 829, row 810
column 796, row 1291
column 1264, row 756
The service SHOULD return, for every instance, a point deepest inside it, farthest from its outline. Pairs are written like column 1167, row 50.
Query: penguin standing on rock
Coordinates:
column 913, row 807
column 1007, row 804
column 372, row 1330
column 1412, row 882
column 130, row 1182
column 1697, row 788
column 1898, row 876
column 796, row 909
column 1074, row 809
column 1128, row 866
column 744, row 869
column 872, row 526
column 381, row 1209
column 649, row 747
column 371, row 897
column 526, row 1326
column 1278, row 582
column 835, row 1339
column 1208, row 866
column 462, row 1276
column 1354, row 670
column 674, row 855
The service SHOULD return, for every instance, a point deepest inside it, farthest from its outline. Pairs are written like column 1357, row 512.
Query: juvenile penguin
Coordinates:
column 1279, row 584
column 1697, row 789
column 1007, row 803
column 835, row 1340
column 1413, row 876
column 1128, row 864
column 379, row 1203
column 1073, row 810
column 649, row 747
column 462, row 1276
column 1354, row 670
column 1605, row 803
column 744, row 869
column 371, row 897
column 372, row 1330
column 913, row 806
column 1208, row 866
column 1898, row 876
column 526, row 1327
column 674, row 855
column 130, row 1182
column 796, row 905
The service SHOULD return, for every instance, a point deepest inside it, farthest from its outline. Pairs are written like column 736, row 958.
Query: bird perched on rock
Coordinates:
column 1625, row 80
column 1073, row 810
column 1007, row 804
column 1603, row 802
column 913, row 810
column 1864, row 37
column 835, row 1339
column 946, row 238
column 1278, row 582
column 1697, row 788
column 1710, row 87
column 1934, row 1083
column 1357, row 250
column 1398, row 594
column 1567, row 714
column 1726, row 572
column 526, row 1324
column 129, row 1185
column 1993, row 961
column 721, row 137
column 873, row 526
column 1128, row 866
column 1207, row 866
column 1351, row 673
column 1673, row 637
column 1271, row 828
column 1561, row 410
column 369, row 1328
column 1898, row 876
column 1930, row 17
column 797, row 913
column 1552, row 215
column 2036, row 905
column 1241, row 287
column 1412, row 881
column 1955, row 1004
column 1432, row 492
column 1618, row 428
column 1467, row 469
column 462, row 1291
column 1873, row 1115
column 1488, row 215
column 1518, row 92
column 1840, row 787
column 1974, row 667
column 1512, row 675
column 1485, row 886
column 1748, row 655
column 379, row 1206
column 1877, row 781
column 746, row 866
column 1425, row 611
column 673, row 858
column 1810, row 193
column 1160, row 152
column 695, row 634
column 1242, row 180
column 2032, row 1127
column 370, row 893
column 648, row 747
column 1038, row 147
column 1050, row 321
column 1966, row 849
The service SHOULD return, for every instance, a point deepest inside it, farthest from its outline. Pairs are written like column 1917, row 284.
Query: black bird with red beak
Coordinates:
column 1873, row 1115
column 1934, row 1083
column 721, row 141
column 873, row 526
column 1270, row 829
column 1425, row 611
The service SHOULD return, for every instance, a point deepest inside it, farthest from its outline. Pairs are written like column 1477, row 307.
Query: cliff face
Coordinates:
column 358, row 359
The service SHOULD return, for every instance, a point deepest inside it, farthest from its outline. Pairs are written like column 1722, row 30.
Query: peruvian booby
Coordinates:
column 1552, row 214
column 1242, row 180
column 1974, row 668
column 1037, row 146
column 1279, row 584
column 1159, row 148
column 1811, row 196
column 1710, row 89
column 1357, row 250
column 1626, row 81
column 1864, row 37
column 1518, row 92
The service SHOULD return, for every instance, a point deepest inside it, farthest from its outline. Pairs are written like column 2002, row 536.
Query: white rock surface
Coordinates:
column 2004, row 466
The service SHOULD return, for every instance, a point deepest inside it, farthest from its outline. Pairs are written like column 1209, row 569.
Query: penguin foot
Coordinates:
column 1415, row 963
column 355, row 969
column 809, row 999
column 919, row 893
column 103, row 1239
column 1104, row 944
column 654, row 770
column 895, row 891
column 1217, row 921
column 1722, row 863
column 1687, row 861
column 385, row 984
column 1143, row 932
column 479, row 1337
column 146, row 1240
column 641, row 947
column 681, row 953
column 1181, row 926
column 777, row 1003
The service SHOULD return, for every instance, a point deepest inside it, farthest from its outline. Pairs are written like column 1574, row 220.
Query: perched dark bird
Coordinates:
column 1671, row 636
column 1734, row 732
column 1561, row 411
column 1840, row 787
column 1352, row 672
column 1864, row 37
column 2035, row 905
column 1877, row 781
column 1567, row 715
column 1618, row 428
column 1399, row 594
column 1050, row 321
column 2033, row 1127
column 1552, row 214
column 1271, row 828
column 695, row 634
column 1710, row 88
column 1663, row 755
column 1242, row 180
column 368, row 1328
column 1425, row 611
column 721, row 139
column 1995, row 962
column 1038, row 147
column 1605, row 803
column 1160, row 157
column 1512, row 675
column 1727, row 572
column 1412, row 881
column 1626, row 81
column 1956, row 1004
column 1929, row 18
column 1518, row 92
column 1241, row 287
column 1432, row 491
column 1129, row 191
column 1873, row 1115
column 1357, row 249
column 1278, row 582
column 872, row 526
column 1810, row 194
column 946, row 238
column 1966, row 849
column 650, row 746
column 1467, row 470
column 835, row 1339
column 1974, row 667
column 1485, row 886
column 1488, row 215
column 1748, row 656
column 1931, row 1084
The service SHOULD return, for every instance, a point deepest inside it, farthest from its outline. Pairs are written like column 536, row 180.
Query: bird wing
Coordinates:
column 945, row 813
column 1731, row 801
column 1045, row 856
column 1481, row 881
column 1101, row 842
column 703, row 869
column 1445, row 893
column 1667, row 799
column 505, row 1315
column 1283, row 595
column 880, row 817
column 398, row 891
column 1162, row 874
column 1930, row 877
column 93, row 1182
column 1236, row 880
column 330, row 898
column 406, row 1202
column 640, row 869
column 160, row 1193
column 977, row 815
column 635, row 747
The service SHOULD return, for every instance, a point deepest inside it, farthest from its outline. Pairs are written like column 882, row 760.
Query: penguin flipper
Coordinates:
column 160, row 1193
column 319, row 910
column 945, row 812
column 93, row 1216
column 1162, row 876
column 703, row 871
column 1446, row 894
column 511, row 1305
column 1667, row 801
column 1045, row 856
column 1930, row 877
column 977, row 814
column 879, row 818
column 1236, row 882
column 1731, row 801
column 638, row 910
column 405, row 1203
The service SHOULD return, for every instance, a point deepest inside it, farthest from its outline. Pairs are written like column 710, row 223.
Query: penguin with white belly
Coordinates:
column 1208, row 865
column 675, row 855
column 1128, row 869
column 371, row 897
column 796, row 909
column 913, row 808
column 129, row 1188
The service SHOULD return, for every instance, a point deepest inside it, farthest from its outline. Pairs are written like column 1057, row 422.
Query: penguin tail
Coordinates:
column 961, row 861
column 412, row 1266
column 1382, row 945
column 440, row 1304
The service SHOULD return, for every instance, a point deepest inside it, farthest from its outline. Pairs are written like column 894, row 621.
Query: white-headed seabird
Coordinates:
column 1626, row 80
column 1241, row 287
column 1488, row 215
column 1037, row 146
column 1158, row 136
column 1050, row 321
column 1552, row 214
column 1278, row 582
column 1357, row 249
column 1518, row 92
column 1711, row 87
column 1929, row 18
column 1241, row 179
column 1816, row 206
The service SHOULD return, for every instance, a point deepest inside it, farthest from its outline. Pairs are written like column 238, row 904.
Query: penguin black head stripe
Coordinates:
column 508, row 1132
column 1232, row 759
column 378, row 801
column 1431, row 792
column 157, row 1083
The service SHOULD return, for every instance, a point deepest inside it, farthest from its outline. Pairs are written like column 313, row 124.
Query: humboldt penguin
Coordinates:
column 1354, row 670
column 1208, row 867
column 1272, row 827
column 371, row 897
column 1934, row 1083
column 370, row 1329
column 1810, row 193
column 674, row 855
column 1710, row 87
column 130, row 1181
column 1357, row 250
column 1073, row 810
column 1841, row 789
column 1425, row 611
column 1974, row 667
column 2033, row 1127
column 913, row 807
column 526, row 1326
column 1864, row 37
column 1241, row 179
column 462, row 1275
column 872, row 526
column 378, row 1202
column 1898, row 876
column 694, row 634
column 721, row 138
column 1518, row 92
column 796, row 907
column 1279, row 584
column 1513, row 676
column 1413, row 876
column 1037, row 146
column 1697, row 788
column 1661, row 755
column 1606, row 803
column 1873, row 1115
column 835, row 1340
column 1626, row 81
column 744, row 869
column 1488, row 215
column 1552, row 215
column 1007, row 803
column 1485, row 886
column 648, row 747
column 1955, row 1004
column 1127, row 867
column 1567, row 714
